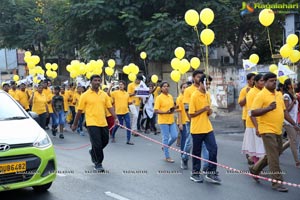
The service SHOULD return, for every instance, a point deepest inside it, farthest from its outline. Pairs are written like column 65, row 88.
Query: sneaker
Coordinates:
column 54, row 131
column 213, row 178
column 61, row 136
column 251, row 170
column 184, row 164
column 169, row 160
column 99, row 168
column 130, row 143
column 81, row 133
column 92, row 158
column 280, row 188
column 197, row 178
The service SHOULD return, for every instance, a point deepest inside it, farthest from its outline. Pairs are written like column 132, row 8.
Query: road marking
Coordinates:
column 115, row 196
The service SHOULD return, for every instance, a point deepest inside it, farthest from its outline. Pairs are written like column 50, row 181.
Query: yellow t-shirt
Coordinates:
column 107, row 113
column 201, row 123
column 249, row 101
column 181, row 109
column 39, row 103
column 24, row 100
column 70, row 94
column 48, row 93
column 120, row 101
column 188, row 93
column 164, row 103
column 76, row 98
column 94, row 105
column 130, row 89
column 29, row 91
column 14, row 94
column 243, row 94
column 270, row 122
column 66, row 103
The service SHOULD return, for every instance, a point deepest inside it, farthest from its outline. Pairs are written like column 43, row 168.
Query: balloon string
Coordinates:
column 146, row 70
column 270, row 44
column 198, row 36
column 206, row 56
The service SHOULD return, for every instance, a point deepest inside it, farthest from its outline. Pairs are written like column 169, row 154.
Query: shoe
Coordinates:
column 184, row 164
column 280, row 188
column 54, row 131
column 81, row 133
column 99, row 168
column 129, row 143
column 61, row 136
column 198, row 178
column 113, row 140
column 78, row 130
column 251, row 170
column 92, row 158
column 213, row 178
column 169, row 160
column 46, row 128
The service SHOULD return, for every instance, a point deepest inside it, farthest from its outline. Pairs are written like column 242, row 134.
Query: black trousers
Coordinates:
column 99, row 137
column 72, row 108
column 42, row 120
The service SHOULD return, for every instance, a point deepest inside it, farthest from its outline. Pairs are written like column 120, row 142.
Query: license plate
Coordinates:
column 12, row 167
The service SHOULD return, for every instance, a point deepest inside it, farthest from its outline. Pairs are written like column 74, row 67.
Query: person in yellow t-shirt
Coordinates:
column 76, row 98
column 70, row 93
column 48, row 93
column 252, row 142
column 14, row 92
column 202, row 131
column 135, row 106
column 24, row 97
column 269, row 106
column 182, row 117
column 243, row 93
column 164, row 107
column 121, row 101
column 109, row 118
column 94, row 102
column 5, row 87
column 38, row 101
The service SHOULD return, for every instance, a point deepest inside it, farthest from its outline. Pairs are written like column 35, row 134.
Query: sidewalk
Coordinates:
column 228, row 123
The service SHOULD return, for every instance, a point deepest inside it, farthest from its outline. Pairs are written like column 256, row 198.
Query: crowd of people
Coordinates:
column 101, row 109
column 267, row 113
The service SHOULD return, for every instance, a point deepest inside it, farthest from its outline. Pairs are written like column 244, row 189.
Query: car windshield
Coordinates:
column 9, row 110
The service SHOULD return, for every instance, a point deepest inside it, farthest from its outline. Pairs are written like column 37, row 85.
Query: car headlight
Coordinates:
column 42, row 141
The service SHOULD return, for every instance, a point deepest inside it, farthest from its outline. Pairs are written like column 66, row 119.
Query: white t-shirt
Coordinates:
column 294, row 111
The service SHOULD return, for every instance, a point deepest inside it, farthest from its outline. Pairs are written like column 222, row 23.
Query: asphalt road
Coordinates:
column 139, row 173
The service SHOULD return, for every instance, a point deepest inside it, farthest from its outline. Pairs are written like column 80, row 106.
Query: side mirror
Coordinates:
column 34, row 115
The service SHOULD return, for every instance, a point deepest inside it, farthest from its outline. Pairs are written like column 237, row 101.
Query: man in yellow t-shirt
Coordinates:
column 135, row 106
column 94, row 103
column 48, row 93
column 24, row 97
column 121, row 101
column 202, row 132
column 270, row 107
column 14, row 92
column 242, row 96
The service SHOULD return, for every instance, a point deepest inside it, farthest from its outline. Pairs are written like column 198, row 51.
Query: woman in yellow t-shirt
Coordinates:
column 164, row 107
column 38, row 101
column 76, row 98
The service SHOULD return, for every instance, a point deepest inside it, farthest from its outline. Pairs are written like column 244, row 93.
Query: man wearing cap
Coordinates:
column 135, row 106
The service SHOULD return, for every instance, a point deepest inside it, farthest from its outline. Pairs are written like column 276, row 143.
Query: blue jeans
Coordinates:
column 183, row 137
column 209, row 140
column 169, row 136
column 126, row 117
column 188, row 146
column 80, row 123
column 58, row 119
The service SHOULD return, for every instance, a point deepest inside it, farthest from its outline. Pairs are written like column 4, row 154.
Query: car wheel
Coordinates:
column 42, row 188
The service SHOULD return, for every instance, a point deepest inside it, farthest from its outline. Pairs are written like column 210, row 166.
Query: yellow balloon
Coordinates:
column 35, row 80
column 109, row 71
column 207, row 16
column 295, row 56
column 126, row 69
column 195, row 62
column 191, row 17
column 111, row 63
column 30, row 65
column 135, row 69
column 292, row 40
column 266, row 17
column 100, row 63
column 184, row 66
column 54, row 74
column 16, row 77
column 132, row 77
column 282, row 79
column 273, row 68
column 27, row 53
column 69, row 68
column 48, row 66
column 285, row 51
column 88, row 75
column 154, row 78
column 143, row 55
column 175, row 75
column 54, row 66
column 207, row 36
column 179, row 52
column 49, row 73
column 254, row 58
column 175, row 63
column 35, row 59
column 32, row 72
column 73, row 74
